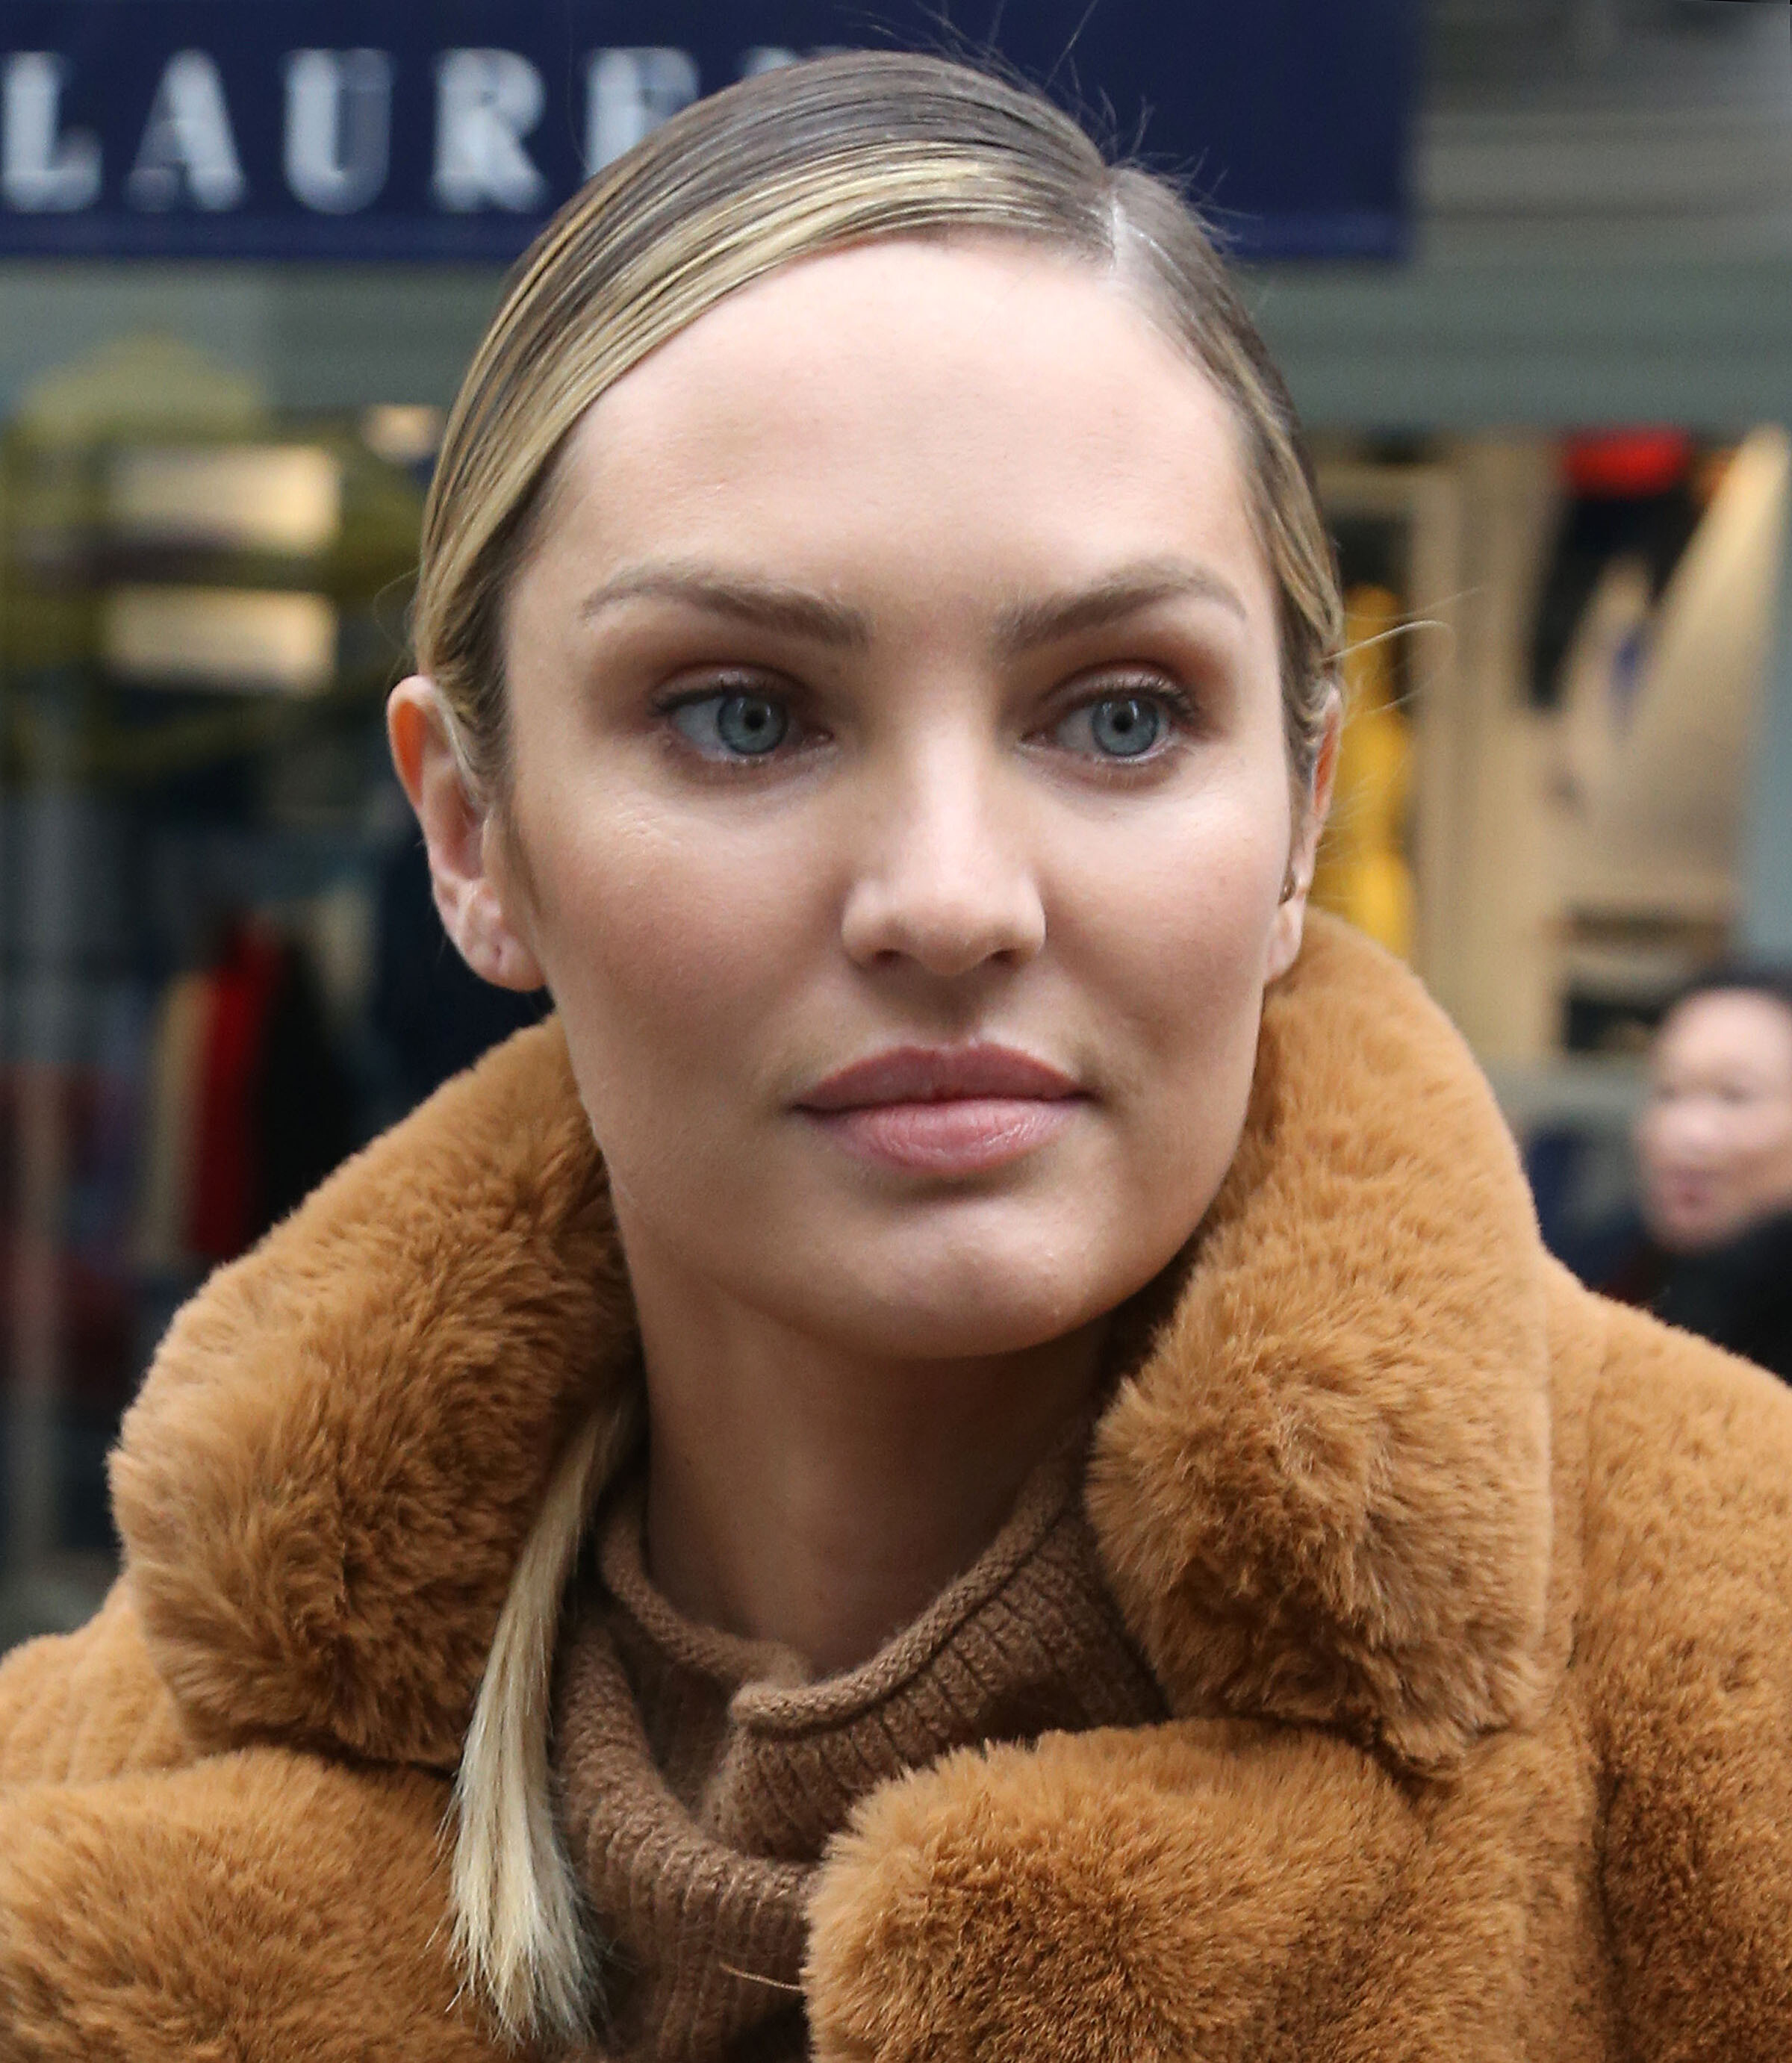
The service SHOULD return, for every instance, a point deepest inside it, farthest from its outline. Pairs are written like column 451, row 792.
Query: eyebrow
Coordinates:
column 766, row 605
column 1021, row 627
column 1128, row 591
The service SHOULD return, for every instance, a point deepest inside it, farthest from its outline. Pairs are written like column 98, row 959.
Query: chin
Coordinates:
column 969, row 1302
column 923, row 1335
column 1691, row 1236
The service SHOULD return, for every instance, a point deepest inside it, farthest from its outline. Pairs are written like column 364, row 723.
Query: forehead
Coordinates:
column 1731, row 1028
column 903, row 400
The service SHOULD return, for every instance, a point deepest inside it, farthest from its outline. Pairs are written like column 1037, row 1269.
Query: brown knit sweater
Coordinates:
column 701, row 1775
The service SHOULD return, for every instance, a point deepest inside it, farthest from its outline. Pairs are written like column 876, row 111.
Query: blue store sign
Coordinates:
column 450, row 129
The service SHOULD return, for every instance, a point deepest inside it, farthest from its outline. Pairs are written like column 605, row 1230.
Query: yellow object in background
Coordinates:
column 1363, row 873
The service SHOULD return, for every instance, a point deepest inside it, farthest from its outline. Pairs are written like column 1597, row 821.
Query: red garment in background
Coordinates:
column 1614, row 465
column 227, row 1175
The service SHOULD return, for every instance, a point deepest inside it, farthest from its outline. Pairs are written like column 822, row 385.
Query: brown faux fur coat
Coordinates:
column 1472, row 1596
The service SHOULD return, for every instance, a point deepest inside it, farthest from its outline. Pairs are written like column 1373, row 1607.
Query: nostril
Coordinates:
column 946, row 924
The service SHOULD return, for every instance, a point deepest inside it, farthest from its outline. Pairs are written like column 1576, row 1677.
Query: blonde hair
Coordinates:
column 784, row 166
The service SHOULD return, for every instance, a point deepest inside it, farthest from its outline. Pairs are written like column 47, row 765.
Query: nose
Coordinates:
column 1689, row 1130
column 945, row 882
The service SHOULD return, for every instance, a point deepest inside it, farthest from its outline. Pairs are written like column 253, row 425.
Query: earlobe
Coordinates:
column 485, row 938
column 458, row 830
column 1288, row 925
column 1287, row 929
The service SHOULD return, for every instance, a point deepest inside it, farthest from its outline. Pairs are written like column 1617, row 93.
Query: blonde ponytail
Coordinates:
column 517, row 1924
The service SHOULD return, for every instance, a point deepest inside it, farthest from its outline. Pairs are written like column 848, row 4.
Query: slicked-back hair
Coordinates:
column 785, row 165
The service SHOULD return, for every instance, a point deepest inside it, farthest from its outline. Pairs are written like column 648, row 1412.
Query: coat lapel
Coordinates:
column 1323, row 1497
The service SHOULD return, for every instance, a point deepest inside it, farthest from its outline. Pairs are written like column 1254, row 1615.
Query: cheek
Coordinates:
column 1652, row 1163
column 1761, row 1148
column 1675, row 1145
column 663, row 942
column 1171, row 935
column 1182, row 911
column 1738, row 1144
column 1655, row 1138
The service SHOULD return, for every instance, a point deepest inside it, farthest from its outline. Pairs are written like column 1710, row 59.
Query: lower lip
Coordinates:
column 969, row 1136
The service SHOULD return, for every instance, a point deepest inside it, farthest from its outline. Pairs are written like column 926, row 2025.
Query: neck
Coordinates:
column 802, row 1494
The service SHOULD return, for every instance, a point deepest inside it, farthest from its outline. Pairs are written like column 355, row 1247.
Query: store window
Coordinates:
column 1559, row 652
column 223, row 970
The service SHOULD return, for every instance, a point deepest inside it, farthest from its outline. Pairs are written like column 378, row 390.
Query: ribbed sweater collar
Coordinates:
column 702, row 1776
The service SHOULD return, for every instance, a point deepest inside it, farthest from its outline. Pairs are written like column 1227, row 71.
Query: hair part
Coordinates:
column 783, row 167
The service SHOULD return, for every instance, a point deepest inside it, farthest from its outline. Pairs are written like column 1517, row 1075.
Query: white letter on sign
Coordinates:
column 338, row 122
column 486, row 102
column 40, row 172
column 188, row 133
column 628, row 94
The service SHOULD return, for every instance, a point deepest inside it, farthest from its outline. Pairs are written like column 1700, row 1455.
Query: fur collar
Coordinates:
column 1323, row 1496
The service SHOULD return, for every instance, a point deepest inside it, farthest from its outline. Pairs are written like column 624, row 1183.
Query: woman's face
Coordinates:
column 900, row 808
column 1715, row 1140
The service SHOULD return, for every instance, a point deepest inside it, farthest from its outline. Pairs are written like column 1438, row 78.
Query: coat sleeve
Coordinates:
column 249, row 1908
column 1687, row 1638
column 1103, row 1894
column 260, row 1906
column 74, row 1707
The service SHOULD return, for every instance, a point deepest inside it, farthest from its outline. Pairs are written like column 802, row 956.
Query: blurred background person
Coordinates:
column 1714, row 1152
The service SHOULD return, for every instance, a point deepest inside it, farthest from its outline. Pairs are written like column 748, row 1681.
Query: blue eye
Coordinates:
column 733, row 727
column 1115, row 727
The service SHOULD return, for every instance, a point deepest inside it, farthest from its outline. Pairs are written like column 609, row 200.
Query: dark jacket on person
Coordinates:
column 1738, row 1295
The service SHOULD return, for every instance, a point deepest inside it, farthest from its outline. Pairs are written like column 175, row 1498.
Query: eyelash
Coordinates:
column 1178, row 705
column 722, row 689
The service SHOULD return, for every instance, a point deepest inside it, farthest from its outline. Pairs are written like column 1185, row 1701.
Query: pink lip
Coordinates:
column 943, row 1110
column 936, row 1074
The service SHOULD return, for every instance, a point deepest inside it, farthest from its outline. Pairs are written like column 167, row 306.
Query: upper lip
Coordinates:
column 938, row 1074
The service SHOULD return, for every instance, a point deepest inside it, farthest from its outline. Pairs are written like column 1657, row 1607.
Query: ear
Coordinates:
column 1290, row 920
column 481, row 907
